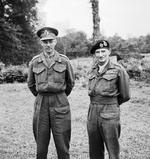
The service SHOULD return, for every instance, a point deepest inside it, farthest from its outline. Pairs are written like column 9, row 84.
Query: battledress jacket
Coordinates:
column 54, row 78
column 113, row 82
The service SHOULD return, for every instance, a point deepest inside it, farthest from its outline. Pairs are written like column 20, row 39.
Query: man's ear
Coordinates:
column 109, row 51
column 94, row 56
column 41, row 42
column 55, row 41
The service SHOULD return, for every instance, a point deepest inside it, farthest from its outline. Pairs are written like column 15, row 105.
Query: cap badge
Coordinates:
column 45, row 34
column 104, row 42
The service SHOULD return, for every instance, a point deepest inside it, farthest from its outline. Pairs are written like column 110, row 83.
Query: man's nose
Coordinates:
column 48, row 43
column 100, row 54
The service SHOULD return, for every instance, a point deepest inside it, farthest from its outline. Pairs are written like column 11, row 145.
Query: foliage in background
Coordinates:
column 18, row 42
column 13, row 74
column 76, row 44
column 137, row 69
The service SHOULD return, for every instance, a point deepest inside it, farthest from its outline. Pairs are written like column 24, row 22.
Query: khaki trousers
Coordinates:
column 103, row 127
column 52, row 114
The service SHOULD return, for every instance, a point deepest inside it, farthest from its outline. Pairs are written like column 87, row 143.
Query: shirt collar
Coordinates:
column 109, row 64
column 102, row 66
column 56, row 57
column 47, row 55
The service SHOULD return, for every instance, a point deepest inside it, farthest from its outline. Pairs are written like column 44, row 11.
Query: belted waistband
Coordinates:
column 103, row 100
column 50, row 93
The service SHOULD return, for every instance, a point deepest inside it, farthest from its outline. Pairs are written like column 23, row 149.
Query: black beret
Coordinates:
column 47, row 33
column 99, row 45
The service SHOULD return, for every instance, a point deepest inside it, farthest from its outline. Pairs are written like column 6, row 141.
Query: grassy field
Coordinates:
column 16, row 112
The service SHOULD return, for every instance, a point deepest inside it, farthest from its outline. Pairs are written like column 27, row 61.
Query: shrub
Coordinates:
column 14, row 74
column 132, row 67
column 80, row 71
column 138, row 69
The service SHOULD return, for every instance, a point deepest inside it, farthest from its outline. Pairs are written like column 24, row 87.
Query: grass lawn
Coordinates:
column 16, row 112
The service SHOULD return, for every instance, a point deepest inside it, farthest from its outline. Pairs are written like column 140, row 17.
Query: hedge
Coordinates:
column 13, row 74
column 137, row 70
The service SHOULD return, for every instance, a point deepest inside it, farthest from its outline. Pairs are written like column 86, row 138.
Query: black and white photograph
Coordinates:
column 74, row 79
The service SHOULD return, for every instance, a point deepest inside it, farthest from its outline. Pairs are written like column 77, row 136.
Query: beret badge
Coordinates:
column 101, row 45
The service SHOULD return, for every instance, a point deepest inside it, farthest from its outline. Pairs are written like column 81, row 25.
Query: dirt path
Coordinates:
column 16, row 110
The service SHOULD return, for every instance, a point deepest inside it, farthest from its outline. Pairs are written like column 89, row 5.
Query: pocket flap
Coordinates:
column 38, row 70
column 109, row 115
column 62, row 110
column 91, row 76
column 59, row 68
column 109, row 77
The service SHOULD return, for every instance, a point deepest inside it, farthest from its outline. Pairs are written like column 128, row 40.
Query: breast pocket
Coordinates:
column 109, row 83
column 59, row 73
column 40, row 74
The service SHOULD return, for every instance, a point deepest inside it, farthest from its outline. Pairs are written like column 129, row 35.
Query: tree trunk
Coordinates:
column 96, row 19
column 1, row 9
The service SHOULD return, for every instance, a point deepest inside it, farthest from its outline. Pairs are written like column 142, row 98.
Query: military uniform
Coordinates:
column 107, row 90
column 51, row 82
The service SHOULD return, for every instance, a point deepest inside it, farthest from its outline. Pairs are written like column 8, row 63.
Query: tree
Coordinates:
column 76, row 43
column 73, row 44
column 96, row 19
column 144, row 44
column 17, row 38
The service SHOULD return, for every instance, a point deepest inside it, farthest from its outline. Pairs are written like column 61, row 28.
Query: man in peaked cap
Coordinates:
column 108, row 88
column 47, row 33
column 51, row 79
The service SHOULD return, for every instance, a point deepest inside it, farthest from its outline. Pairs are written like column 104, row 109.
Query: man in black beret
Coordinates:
column 108, row 88
column 51, row 80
